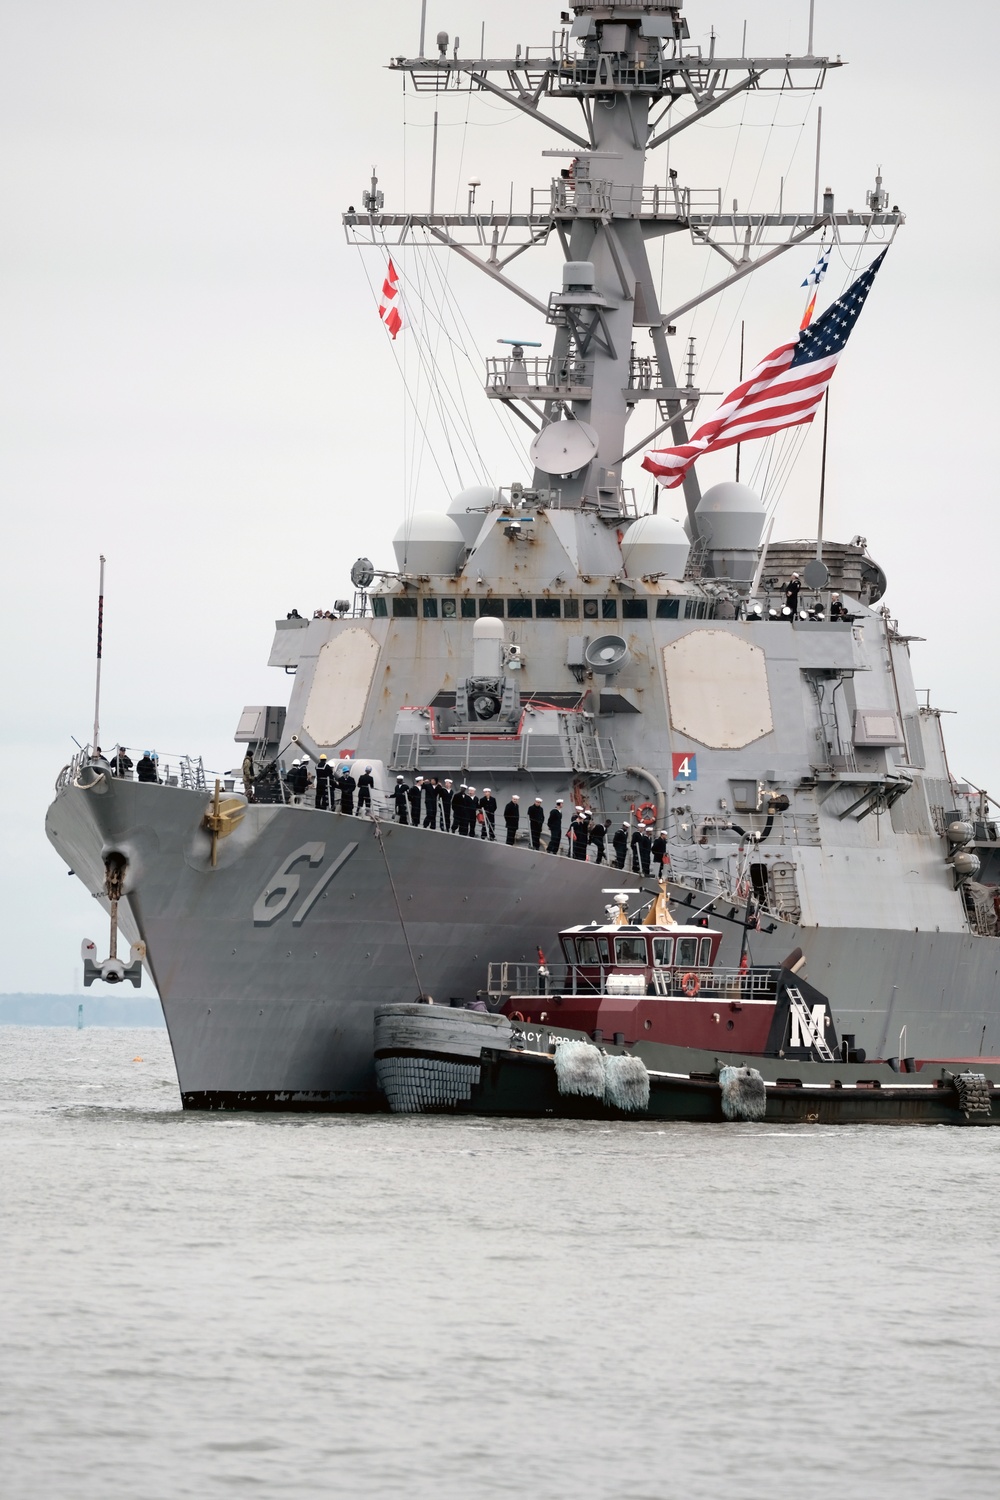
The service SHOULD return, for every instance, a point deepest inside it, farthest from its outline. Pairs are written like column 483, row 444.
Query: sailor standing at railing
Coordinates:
column 444, row 803
column 536, row 822
column 512, row 817
column 347, row 785
column 122, row 765
column 430, row 802
column 659, row 851
column 620, row 845
column 324, row 780
column 555, row 827
column 413, row 793
column 488, row 808
column 598, row 839
column 366, row 782
column 400, row 795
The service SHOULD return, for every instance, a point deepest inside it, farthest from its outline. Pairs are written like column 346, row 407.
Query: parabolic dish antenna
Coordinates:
column 363, row 573
column 815, row 574
column 563, row 447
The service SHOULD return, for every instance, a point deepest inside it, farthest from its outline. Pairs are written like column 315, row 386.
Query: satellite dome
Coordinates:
column 467, row 508
column 731, row 517
column 428, row 543
column 655, row 544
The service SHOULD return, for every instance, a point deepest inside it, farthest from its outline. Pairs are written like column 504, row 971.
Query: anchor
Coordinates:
column 222, row 817
column 113, row 970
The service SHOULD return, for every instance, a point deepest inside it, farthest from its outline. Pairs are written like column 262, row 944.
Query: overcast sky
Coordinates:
column 195, row 382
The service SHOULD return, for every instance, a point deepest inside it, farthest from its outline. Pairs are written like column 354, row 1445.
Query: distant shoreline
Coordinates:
column 63, row 1010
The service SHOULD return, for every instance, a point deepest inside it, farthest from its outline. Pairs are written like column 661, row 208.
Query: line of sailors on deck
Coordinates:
column 435, row 803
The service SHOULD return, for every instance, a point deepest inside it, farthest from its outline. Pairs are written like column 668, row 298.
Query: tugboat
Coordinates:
column 639, row 1021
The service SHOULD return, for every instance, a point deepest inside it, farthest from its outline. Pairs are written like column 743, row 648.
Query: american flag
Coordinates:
column 390, row 309
column 784, row 390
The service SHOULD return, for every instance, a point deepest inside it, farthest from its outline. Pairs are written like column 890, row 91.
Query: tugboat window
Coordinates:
column 667, row 609
column 687, row 952
column 447, row 609
column 430, row 609
column 547, row 609
column 705, row 953
column 635, row 609
column 492, row 607
column 630, row 950
column 586, row 951
column 609, row 609
column 519, row 609
column 468, row 609
column 404, row 608
column 662, row 952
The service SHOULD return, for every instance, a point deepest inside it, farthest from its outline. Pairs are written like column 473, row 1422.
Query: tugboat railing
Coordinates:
column 507, row 979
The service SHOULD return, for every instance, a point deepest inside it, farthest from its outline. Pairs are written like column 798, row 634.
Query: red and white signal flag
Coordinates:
column 390, row 309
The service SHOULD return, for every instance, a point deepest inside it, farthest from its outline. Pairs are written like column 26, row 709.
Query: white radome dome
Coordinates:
column 655, row 544
column 429, row 542
column 467, row 508
column 731, row 516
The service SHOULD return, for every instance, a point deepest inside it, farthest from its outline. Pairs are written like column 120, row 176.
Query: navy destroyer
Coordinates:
column 546, row 639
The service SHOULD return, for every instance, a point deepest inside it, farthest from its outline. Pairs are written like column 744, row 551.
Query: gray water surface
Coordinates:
column 236, row 1305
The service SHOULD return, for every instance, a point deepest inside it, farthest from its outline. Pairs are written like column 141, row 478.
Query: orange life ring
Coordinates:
column 645, row 814
column 690, row 984
column 516, row 1015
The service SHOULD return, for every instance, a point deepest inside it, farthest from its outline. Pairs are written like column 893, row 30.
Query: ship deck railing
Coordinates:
column 505, row 980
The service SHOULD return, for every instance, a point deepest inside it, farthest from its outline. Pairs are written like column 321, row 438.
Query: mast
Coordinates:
column 637, row 81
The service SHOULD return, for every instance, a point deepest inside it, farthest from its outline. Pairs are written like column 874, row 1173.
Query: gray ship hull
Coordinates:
column 269, row 966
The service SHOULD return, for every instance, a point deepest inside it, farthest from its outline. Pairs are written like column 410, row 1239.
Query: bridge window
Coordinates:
column 667, row 609
column 430, row 609
column 687, row 953
column 571, row 609
column 404, row 607
column 609, row 609
column 468, row 609
column 378, row 606
column 519, row 609
column 492, row 607
column 547, row 609
column 586, row 951
column 635, row 609
column 447, row 609
column 663, row 949
column 591, row 608
column 630, row 950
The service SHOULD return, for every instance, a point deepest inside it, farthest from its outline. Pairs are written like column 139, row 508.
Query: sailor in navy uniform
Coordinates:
column 399, row 796
column 366, row 782
column 536, row 822
column 347, row 784
column 430, row 802
column 555, row 827
column 512, row 817
column 413, row 793
column 620, row 845
column 598, row 836
column 324, row 780
column 488, row 808
column 444, row 803
column 659, row 851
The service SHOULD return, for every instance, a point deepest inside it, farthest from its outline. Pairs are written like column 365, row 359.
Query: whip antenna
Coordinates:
column 100, row 639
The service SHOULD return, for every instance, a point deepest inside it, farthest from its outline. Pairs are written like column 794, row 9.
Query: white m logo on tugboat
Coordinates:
column 283, row 886
column 807, row 1026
